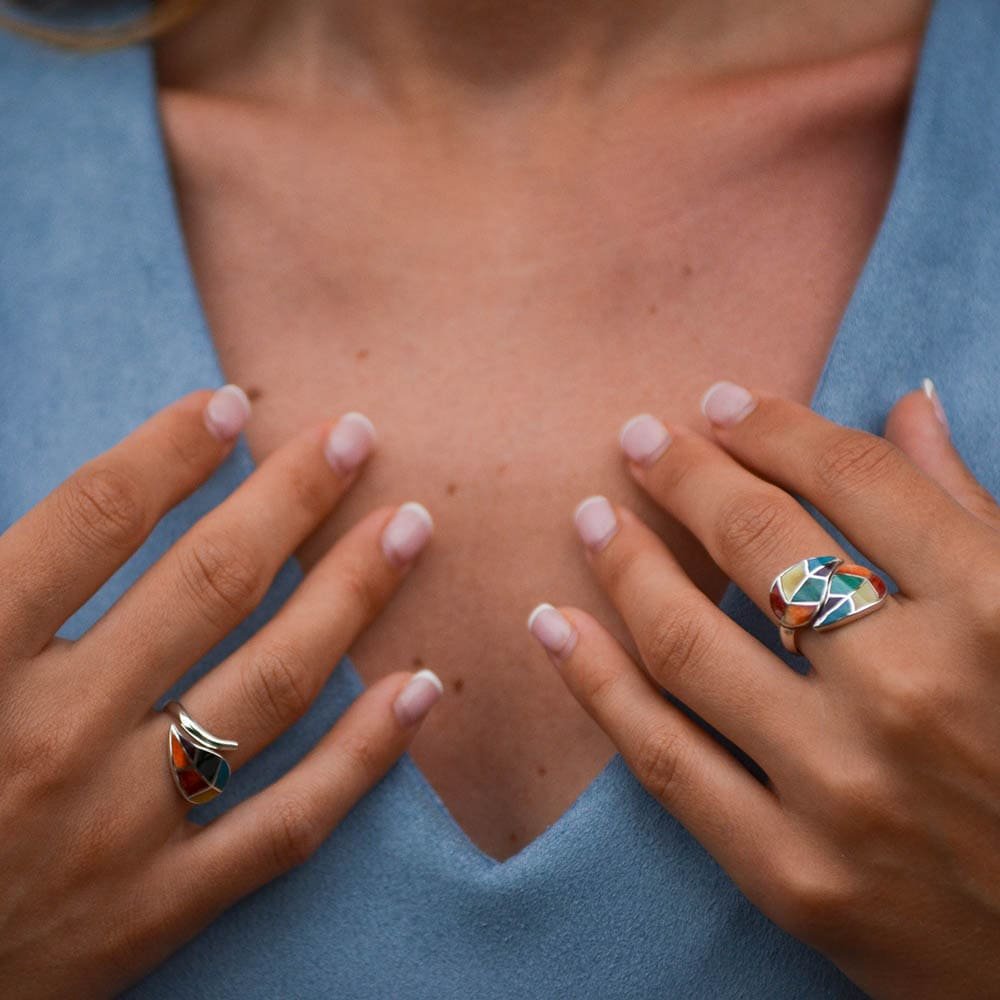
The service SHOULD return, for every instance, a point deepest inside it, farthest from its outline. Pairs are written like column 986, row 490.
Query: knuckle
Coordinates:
column 676, row 640
column 46, row 755
column 815, row 900
column 277, row 684
column 295, row 834
column 222, row 574
column 359, row 593
column 309, row 492
column 912, row 704
column 854, row 462
column 659, row 762
column 861, row 797
column 361, row 754
column 752, row 525
column 104, row 505
column 595, row 682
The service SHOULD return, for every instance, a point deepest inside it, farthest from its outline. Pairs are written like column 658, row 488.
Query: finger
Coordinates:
column 266, row 685
column 751, row 528
column 735, row 817
column 219, row 570
column 69, row 544
column 855, row 478
column 687, row 644
column 917, row 425
column 283, row 825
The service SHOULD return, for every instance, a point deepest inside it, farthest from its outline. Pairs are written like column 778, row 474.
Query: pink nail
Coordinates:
column 726, row 403
column 407, row 533
column 596, row 522
column 644, row 439
column 553, row 630
column 350, row 442
column 930, row 391
column 227, row 412
column 419, row 696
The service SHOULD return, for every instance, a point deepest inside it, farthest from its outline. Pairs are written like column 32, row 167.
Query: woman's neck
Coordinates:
column 415, row 54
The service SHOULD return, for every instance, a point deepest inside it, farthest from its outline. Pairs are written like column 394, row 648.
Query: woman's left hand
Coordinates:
column 877, row 837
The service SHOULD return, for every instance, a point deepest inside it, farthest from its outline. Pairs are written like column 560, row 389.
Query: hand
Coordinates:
column 103, row 873
column 875, row 838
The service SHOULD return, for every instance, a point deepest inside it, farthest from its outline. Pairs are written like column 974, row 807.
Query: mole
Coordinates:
column 458, row 684
column 418, row 662
column 362, row 354
column 254, row 392
column 451, row 489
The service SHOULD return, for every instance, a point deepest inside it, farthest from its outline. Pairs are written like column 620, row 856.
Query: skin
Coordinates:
column 883, row 795
column 152, row 876
column 619, row 263
column 885, row 788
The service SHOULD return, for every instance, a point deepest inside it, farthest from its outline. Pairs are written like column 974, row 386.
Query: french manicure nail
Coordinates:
column 227, row 412
column 350, row 442
column 644, row 439
column 553, row 630
column 407, row 533
column 726, row 403
column 596, row 522
column 421, row 694
column 930, row 391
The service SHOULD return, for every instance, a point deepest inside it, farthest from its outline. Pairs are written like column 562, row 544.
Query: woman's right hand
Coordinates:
column 103, row 873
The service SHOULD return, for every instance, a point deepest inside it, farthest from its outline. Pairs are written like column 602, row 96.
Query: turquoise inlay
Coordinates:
column 818, row 561
column 810, row 592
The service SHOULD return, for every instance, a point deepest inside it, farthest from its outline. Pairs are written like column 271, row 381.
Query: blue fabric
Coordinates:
column 100, row 324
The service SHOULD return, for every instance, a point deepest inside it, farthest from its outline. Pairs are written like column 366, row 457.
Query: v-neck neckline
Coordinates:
column 851, row 329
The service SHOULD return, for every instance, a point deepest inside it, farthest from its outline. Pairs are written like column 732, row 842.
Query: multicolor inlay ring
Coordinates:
column 823, row 592
column 194, row 756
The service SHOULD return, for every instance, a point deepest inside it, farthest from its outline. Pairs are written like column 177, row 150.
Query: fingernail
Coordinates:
column 350, row 442
column 726, row 403
column 930, row 391
column 596, row 522
column 644, row 439
column 227, row 412
column 553, row 630
column 420, row 695
column 407, row 533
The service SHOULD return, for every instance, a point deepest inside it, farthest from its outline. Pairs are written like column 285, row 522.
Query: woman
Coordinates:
column 500, row 231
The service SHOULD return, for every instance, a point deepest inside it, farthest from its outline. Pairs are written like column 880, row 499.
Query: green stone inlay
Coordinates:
column 810, row 592
column 845, row 583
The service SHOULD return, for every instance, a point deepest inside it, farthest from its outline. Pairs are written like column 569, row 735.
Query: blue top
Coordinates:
column 100, row 324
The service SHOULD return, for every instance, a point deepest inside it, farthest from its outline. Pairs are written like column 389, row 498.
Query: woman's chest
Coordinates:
column 499, row 316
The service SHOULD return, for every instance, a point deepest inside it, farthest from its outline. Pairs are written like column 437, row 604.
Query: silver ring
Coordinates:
column 823, row 592
column 194, row 756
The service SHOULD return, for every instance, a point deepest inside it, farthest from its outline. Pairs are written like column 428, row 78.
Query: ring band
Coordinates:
column 194, row 755
column 823, row 592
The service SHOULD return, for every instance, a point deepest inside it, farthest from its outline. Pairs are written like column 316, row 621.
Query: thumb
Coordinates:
column 917, row 424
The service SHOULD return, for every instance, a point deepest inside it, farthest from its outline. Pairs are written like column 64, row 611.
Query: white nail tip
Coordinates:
column 629, row 424
column 232, row 389
column 534, row 614
column 420, row 510
column 597, row 498
column 360, row 418
column 429, row 675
